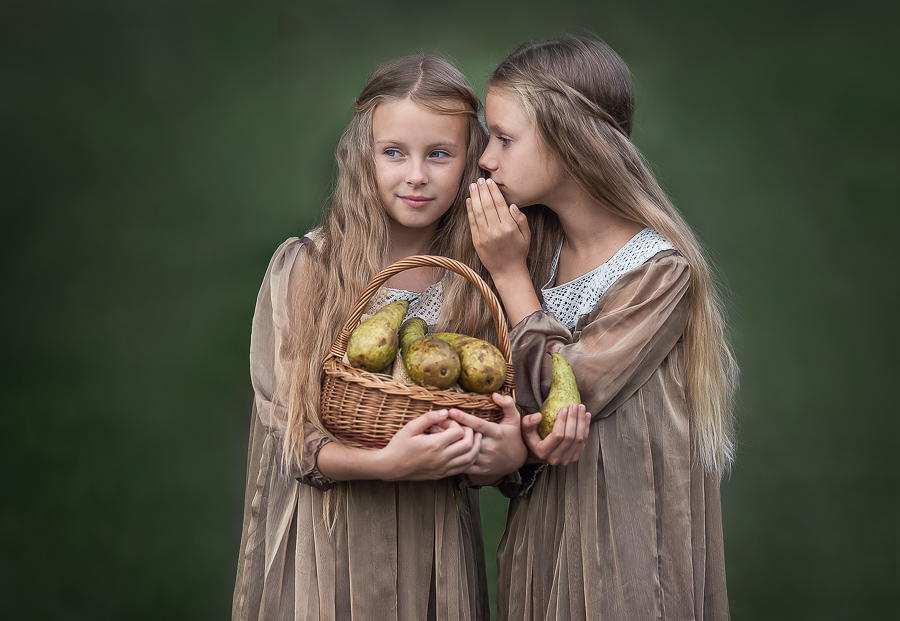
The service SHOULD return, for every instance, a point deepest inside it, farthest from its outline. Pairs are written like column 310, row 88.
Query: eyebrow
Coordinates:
column 434, row 145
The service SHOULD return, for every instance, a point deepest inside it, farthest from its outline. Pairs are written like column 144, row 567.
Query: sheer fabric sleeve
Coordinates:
column 269, row 366
column 616, row 347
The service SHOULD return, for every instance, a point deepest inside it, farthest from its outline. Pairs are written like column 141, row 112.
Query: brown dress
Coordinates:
column 407, row 550
column 633, row 530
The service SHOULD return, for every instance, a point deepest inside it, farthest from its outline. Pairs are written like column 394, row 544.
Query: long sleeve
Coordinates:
column 616, row 347
column 269, row 367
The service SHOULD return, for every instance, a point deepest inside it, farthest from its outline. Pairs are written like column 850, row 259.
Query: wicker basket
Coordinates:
column 365, row 409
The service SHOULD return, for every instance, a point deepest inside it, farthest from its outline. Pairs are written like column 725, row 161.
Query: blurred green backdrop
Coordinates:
column 156, row 153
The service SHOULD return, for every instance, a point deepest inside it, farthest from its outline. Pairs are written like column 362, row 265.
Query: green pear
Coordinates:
column 432, row 362
column 373, row 344
column 563, row 393
column 483, row 367
column 412, row 329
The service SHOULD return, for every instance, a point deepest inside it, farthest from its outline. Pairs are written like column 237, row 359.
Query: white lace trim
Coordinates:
column 573, row 299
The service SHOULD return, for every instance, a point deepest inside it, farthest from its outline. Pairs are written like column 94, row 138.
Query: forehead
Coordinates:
column 503, row 110
column 408, row 120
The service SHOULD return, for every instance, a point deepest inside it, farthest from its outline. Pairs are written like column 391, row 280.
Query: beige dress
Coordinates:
column 633, row 530
column 408, row 550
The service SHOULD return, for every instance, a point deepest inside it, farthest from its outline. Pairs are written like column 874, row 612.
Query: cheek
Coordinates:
column 384, row 175
column 453, row 176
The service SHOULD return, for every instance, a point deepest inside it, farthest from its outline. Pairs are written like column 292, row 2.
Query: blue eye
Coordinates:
column 438, row 154
column 503, row 140
column 392, row 152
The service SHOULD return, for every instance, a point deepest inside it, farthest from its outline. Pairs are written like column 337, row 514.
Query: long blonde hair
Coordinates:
column 577, row 92
column 350, row 245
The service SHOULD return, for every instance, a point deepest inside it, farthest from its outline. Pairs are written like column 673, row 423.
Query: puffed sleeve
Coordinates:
column 269, row 366
column 616, row 347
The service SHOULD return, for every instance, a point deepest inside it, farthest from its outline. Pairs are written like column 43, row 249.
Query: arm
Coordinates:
column 501, row 237
column 269, row 368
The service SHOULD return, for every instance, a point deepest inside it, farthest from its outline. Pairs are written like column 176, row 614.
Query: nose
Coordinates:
column 487, row 160
column 416, row 174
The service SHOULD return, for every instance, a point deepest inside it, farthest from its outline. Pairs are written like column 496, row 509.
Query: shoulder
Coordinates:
column 287, row 256
column 664, row 265
column 665, row 275
column 284, row 272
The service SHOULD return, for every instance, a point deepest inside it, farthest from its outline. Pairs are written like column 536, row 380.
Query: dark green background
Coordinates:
column 156, row 153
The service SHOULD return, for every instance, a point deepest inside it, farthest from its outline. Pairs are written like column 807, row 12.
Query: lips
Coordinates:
column 416, row 201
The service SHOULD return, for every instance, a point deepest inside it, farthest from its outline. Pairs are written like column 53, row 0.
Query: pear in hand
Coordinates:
column 563, row 393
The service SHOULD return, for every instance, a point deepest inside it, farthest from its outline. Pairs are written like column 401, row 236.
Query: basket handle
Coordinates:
column 339, row 347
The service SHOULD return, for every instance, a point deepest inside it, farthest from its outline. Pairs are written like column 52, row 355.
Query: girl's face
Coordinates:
column 420, row 156
column 526, row 172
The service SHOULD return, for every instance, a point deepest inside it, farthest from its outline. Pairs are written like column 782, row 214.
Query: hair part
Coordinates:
column 577, row 92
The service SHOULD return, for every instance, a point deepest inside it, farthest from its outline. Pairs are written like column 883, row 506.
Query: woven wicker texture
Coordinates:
column 364, row 409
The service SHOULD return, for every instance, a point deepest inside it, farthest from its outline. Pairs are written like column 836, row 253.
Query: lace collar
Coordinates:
column 425, row 305
column 573, row 299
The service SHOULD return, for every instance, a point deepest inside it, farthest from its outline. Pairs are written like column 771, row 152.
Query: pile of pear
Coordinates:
column 432, row 360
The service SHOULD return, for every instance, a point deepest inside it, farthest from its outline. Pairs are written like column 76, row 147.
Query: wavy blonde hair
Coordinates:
column 577, row 92
column 350, row 245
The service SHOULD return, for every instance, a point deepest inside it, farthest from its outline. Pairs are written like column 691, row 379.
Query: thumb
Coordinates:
column 521, row 221
column 531, row 422
column 508, row 406
column 530, row 430
column 419, row 425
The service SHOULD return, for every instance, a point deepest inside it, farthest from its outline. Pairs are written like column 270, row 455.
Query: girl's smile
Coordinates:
column 416, row 201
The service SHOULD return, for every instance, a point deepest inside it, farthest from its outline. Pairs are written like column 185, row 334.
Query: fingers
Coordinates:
column 566, row 442
column 466, row 460
column 580, row 422
column 485, row 427
column 424, row 422
column 496, row 194
column 488, row 205
column 478, row 206
column 569, row 435
column 473, row 422
column 495, row 205
column 483, row 204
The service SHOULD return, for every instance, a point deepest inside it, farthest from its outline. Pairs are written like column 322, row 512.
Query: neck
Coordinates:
column 593, row 234
column 589, row 225
column 407, row 242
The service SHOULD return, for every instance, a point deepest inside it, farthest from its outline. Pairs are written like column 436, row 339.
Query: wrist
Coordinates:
column 382, row 466
column 345, row 463
column 511, row 272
